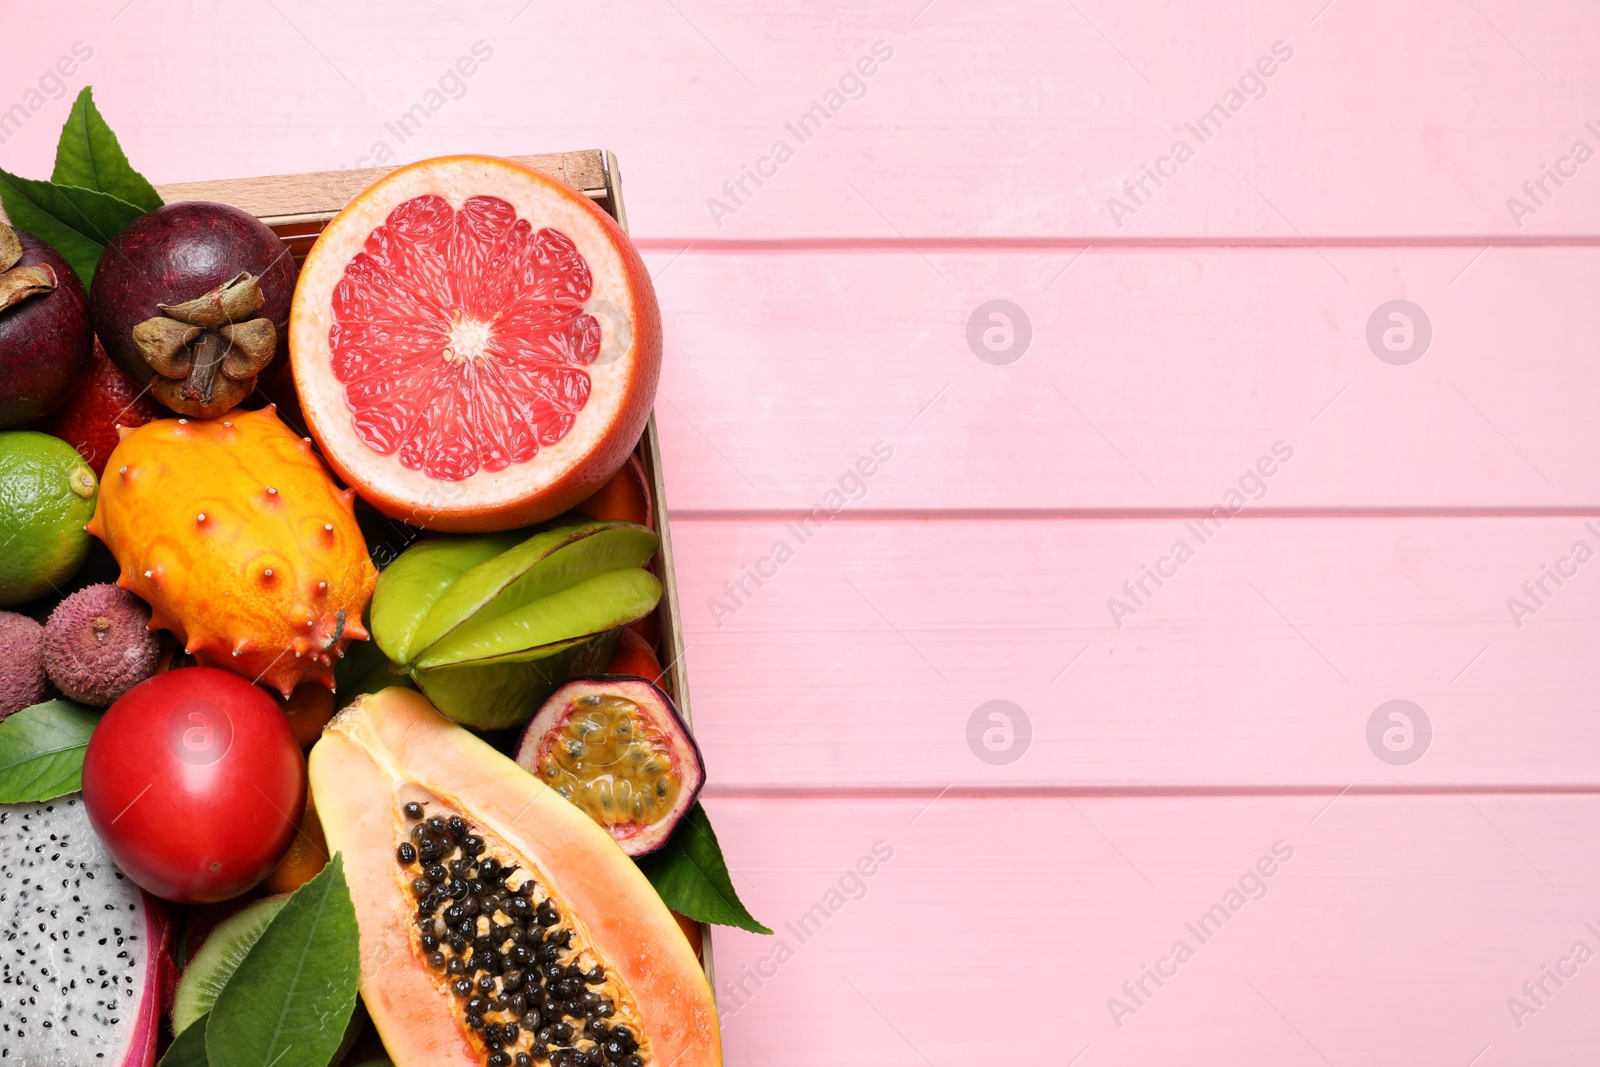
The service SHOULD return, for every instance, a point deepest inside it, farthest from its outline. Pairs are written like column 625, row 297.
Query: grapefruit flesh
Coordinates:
column 476, row 346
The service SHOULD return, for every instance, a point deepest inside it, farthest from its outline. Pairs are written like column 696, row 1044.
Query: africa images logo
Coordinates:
column 848, row 488
column 1252, row 487
column 1251, row 86
column 851, row 85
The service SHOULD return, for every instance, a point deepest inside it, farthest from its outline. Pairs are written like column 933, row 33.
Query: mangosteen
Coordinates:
column 193, row 298
column 22, row 682
column 45, row 336
column 98, row 644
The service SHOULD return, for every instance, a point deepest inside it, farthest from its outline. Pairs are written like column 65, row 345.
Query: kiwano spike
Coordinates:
column 357, row 631
column 123, row 431
column 245, row 614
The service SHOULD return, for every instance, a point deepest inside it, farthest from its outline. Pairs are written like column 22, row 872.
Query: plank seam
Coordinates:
column 1046, row 792
column 984, row 514
column 1004, row 245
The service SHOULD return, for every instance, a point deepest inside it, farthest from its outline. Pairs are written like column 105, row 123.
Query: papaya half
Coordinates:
column 500, row 925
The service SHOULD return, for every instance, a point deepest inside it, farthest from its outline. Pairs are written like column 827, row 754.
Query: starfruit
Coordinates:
column 488, row 625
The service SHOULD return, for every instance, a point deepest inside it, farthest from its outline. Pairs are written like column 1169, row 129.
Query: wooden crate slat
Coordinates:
column 299, row 203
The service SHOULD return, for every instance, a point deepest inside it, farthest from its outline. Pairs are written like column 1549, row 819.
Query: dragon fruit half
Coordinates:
column 85, row 964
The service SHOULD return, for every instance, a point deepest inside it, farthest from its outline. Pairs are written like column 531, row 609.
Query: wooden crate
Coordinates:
column 298, row 206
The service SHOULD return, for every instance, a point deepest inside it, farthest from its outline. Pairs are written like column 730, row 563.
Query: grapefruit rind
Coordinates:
column 622, row 380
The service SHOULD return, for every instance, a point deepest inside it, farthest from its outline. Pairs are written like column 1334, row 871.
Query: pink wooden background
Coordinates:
column 1172, row 347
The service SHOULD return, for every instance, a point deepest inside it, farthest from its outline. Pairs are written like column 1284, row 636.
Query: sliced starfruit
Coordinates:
column 488, row 625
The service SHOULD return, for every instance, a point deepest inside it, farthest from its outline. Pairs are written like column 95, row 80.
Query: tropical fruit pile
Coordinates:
column 384, row 507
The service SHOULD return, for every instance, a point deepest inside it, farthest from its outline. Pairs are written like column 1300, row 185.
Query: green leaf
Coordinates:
column 692, row 877
column 41, row 751
column 206, row 973
column 90, row 157
column 78, row 223
column 189, row 1048
column 290, row 1001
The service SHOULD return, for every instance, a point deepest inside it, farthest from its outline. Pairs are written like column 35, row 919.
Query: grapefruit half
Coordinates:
column 476, row 346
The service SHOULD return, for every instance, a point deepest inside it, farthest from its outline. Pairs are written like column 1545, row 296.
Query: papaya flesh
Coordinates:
column 577, row 959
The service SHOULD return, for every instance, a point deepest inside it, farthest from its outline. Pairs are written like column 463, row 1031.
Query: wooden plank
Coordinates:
column 1001, row 123
column 290, row 199
column 1395, row 933
column 865, row 656
column 1153, row 378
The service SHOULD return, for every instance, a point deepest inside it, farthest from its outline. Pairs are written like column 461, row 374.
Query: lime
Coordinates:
column 47, row 495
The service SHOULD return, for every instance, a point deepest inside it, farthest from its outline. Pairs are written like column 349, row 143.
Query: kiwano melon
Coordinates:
column 241, row 543
column 500, row 925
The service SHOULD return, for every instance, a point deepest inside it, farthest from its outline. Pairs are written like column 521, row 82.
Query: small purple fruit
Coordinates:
column 21, row 662
column 193, row 298
column 98, row 644
column 616, row 747
column 45, row 336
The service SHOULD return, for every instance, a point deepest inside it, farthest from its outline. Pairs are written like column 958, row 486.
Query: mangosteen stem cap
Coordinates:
column 211, row 345
column 10, row 247
column 234, row 300
column 250, row 347
column 164, row 344
column 19, row 283
column 201, row 385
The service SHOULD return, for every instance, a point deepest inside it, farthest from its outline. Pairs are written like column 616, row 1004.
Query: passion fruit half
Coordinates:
column 617, row 748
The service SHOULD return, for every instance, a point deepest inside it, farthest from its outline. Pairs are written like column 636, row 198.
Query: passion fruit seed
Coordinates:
column 523, row 980
column 611, row 762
